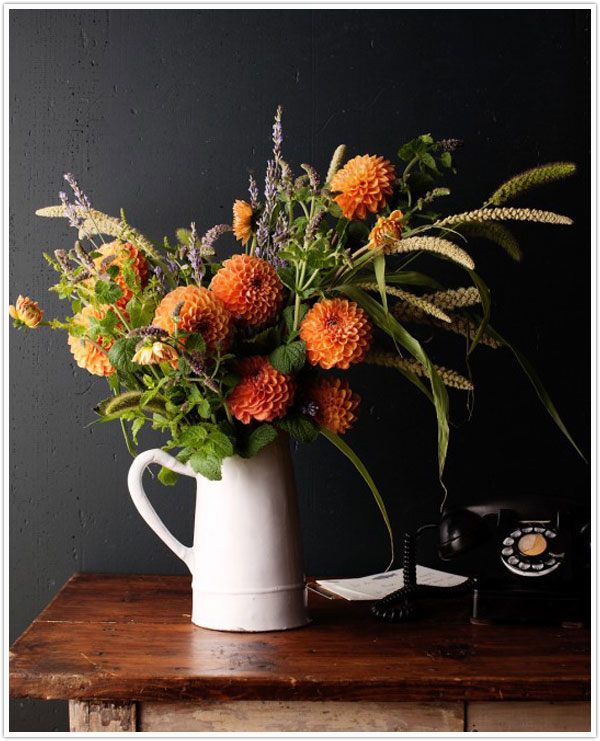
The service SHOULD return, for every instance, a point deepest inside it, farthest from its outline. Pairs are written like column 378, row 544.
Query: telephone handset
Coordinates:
column 532, row 561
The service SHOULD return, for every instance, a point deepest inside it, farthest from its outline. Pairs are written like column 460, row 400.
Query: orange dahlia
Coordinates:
column 26, row 311
column 242, row 221
column 199, row 310
column 117, row 253
column 387, row 230
column 87, row 355
column 249, row 288
column 363, row 184
column 263, row 393
column 337, row 333
column 333, row 403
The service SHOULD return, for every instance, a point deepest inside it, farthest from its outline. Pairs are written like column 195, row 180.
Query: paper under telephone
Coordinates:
column 377, row 586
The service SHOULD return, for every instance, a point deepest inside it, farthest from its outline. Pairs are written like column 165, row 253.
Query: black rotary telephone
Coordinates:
column 530, row 562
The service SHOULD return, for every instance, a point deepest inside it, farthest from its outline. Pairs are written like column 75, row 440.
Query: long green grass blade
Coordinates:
column 362, row 469
column 379, row 270
column 537, row 384
column 412, row 278
column 393, row 328
column 486, row 303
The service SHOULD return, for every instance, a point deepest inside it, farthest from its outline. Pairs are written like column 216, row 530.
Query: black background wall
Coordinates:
column 164, row 113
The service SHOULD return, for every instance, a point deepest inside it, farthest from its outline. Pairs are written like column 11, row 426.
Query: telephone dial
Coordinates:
column 530, row 562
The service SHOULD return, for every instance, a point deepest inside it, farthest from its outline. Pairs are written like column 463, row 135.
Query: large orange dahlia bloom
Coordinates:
column 250, row 289
column 86, row 354
column 122, row 252
column 335, row 404
column 199, row 311
column 242, row 221
column 263, row 393
column 386, row 231
column 363, row 184
column 337, row 333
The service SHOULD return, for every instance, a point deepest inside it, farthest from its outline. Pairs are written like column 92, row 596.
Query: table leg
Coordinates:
column 107, row 717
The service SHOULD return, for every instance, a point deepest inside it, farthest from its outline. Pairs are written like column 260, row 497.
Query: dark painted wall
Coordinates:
column 163, row 113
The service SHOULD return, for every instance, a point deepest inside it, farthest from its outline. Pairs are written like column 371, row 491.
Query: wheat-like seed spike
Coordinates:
column 425, row 305
column 505, row 214
column 391, row 360
column 530, row 179
column 336, row 162
column 454, row 298
column 433, row 244
column 96, row 222
column 460, row 325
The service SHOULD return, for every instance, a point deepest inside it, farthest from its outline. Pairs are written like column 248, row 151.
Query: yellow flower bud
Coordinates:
column 26, row 311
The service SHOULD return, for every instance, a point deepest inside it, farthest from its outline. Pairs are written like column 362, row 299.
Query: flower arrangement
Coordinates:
column 220, row 355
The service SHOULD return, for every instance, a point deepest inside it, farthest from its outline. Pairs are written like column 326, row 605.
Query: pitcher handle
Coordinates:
column 142, row 503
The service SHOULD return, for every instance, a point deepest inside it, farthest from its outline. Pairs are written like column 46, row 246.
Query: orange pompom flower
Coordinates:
column 332, row 403
column 119, row 253
column 26, row 311
column 242, row 221
column 337, row 333
column 386, row 231
column 263, row 393
column 363, row 184
column 249, row 288
column 87, row 355
column 199, row 310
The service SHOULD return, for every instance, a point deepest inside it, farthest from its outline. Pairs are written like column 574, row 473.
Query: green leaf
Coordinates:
column 121, row 353
column 446, row 159
column 107, row 292
column 195, row 342
column 112, row 271
column 192, row 436
column 537, row 384
column 207, row 466
column 428, row 160
column 379, row 269
column 219, row 443
column 136, row 426
column 299, row 427
column 393, row 328
column 167, row 477
column 289, row 358
column 412, row 278
column 486, row 303
column 335, row 210
column 262, row 343
column 140, row 312
column 493, row 232
column 259, row 438
column 361, row 468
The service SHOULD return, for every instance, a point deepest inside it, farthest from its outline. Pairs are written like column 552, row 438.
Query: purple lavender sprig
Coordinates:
column 207, row 243
column 72, row 214
column 149, row 331
column 81, row 200
column 193, row 255
column 277, row 135
column 160, row 279
column 253, row 192
column 313, row 177
column 313, row 225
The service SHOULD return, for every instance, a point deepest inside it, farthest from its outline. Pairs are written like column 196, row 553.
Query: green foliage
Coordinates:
column 289, row 358
column 167, row 477
column 121, row 354
column 107, row 292
column 258, row 439
column 140, row 311
column 299, row 427
column 493, row 232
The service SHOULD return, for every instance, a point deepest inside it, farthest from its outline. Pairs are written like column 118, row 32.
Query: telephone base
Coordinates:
column 495, row 605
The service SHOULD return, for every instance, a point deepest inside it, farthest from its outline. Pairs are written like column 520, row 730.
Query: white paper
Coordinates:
column 377, row 586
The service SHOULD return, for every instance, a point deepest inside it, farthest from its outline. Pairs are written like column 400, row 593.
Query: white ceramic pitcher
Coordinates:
column 246, row 559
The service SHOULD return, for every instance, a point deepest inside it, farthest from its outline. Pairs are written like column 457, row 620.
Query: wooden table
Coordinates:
column 122, row 650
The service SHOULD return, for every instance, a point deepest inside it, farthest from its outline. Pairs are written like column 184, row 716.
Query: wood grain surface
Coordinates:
column 118, row 637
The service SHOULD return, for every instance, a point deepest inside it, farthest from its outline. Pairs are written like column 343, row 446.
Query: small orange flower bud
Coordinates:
column 386, row 231
column 242, row 221
column 26, row 311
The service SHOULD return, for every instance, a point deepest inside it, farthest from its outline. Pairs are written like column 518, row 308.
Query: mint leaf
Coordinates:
column 289, row 358
column 140, row 312
column 167, row 477
column 259, row 439
column 206, row 465
column 219, row 443
column 300, row 428
column 193, row 436
column 121, row 352
column 195, row 342
column 107, row 292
